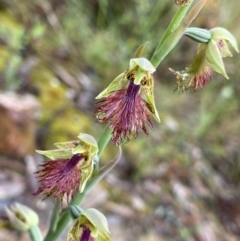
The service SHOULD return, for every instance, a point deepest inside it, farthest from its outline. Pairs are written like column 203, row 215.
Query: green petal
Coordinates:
column 143, row 63
column 97, row 219
column 67, row 144
column 103, row 236
column 90, row 141
column 147, row 94
column 115, row 85
column 138, row 76
column 222, row 33
column 80, row 149
column 225, row 51
column 86, row 173
column 87, row 144
column 140, row 50
column 214, row 58
column 57, row 154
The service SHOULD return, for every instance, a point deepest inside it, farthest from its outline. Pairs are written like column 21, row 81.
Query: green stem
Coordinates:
column 54, row 216
column 103, row 140
column 35, row 234
column 105, row 137
column 175, row 34
column 53, row 219
column 65, row 217
column 177, row 19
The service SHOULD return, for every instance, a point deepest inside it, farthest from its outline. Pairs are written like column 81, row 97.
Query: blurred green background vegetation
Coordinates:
column 182, row 181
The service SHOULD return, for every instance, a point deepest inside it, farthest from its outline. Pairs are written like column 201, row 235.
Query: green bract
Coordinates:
column 92, row 220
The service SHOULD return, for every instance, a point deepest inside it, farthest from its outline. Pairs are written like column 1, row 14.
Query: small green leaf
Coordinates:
column 214, row 58
column 57, row 154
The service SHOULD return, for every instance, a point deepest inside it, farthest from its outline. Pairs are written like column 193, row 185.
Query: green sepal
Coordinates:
column 198, row 34
column 89, row 140
column 87, row 144
column 67, row 144
column 222, row 33
column 115, row 85
column 140, row 50
column 140, row 67
column 86, row 172
column 97, row 219
column 79, row 149
column 215, row 59
column 143, row 63
column 57, row 154
column 147, row 93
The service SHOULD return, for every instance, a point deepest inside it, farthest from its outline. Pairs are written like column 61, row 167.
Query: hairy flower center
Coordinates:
column 73, row 162
column 132, row 90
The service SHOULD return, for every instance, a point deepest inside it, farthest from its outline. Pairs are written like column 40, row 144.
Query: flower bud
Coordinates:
column 198, row 34
column 75, row 211
column 21, row 217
